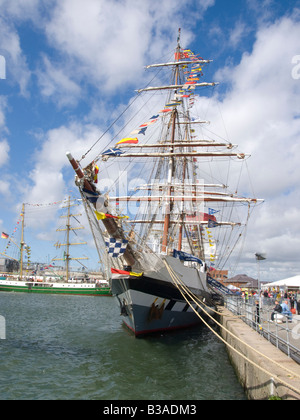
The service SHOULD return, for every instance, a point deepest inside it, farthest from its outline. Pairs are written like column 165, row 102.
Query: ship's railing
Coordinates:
column 256, row 313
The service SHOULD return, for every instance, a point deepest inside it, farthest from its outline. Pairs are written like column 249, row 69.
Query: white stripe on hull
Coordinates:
column 138, row 314
column 154, row 303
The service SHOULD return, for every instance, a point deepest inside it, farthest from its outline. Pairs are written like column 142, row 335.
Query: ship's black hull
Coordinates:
column 149, row 305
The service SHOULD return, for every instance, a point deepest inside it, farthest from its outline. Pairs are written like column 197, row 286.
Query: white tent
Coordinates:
column 289, row 282
column 231, row 287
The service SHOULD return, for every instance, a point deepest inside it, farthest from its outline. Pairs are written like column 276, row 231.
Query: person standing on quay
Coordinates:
column 286, row 310
column 276, row 310
column 298, row 302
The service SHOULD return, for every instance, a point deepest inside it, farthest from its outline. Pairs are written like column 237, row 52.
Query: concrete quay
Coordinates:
column 261, row 378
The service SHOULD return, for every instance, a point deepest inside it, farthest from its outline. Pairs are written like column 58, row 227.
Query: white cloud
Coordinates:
column 4, row 152
column 4, row 188
column 263, row 108
column 16, row 65
column 260, row 110
column 4, row 146
column 56, row 84
column 19, row 9
column 261, row 113
column 104, row 45
column 3, row 106
column 239, row 32
column 46, row 179
column 110, row 41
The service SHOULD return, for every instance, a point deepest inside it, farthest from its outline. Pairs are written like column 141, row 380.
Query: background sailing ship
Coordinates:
column 181, row 220
column 53, row 282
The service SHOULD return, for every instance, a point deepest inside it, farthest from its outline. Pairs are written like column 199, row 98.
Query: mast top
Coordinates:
column 178, row 38
column 177, row 53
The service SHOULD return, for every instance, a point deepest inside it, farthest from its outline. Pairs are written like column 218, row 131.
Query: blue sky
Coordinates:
column 72, row 65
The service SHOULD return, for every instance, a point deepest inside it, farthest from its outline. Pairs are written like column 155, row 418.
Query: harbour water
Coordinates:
column 75, row 348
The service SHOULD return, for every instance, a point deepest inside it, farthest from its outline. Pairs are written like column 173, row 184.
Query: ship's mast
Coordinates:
column 170, row 204
column 67, row 258
column 174, row 155
column 110, row 224
column 22, row 243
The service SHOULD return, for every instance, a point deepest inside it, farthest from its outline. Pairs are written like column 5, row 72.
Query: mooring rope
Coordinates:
column 177, row 283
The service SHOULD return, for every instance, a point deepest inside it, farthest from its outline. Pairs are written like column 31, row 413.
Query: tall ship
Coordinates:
column 50, row 281
column 163, row 237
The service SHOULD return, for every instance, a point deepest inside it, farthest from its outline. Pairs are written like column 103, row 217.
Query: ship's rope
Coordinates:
column 117, row 119
column 185, row 291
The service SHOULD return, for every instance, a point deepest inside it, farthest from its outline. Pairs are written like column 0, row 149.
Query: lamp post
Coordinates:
column 259, row 257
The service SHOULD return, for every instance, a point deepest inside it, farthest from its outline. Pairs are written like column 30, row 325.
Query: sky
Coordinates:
column 69, row 67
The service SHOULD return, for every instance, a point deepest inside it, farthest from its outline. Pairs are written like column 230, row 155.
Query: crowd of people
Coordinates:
column 283, row 309
column 292, row 299
column 269, row 296
column 286, row 302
